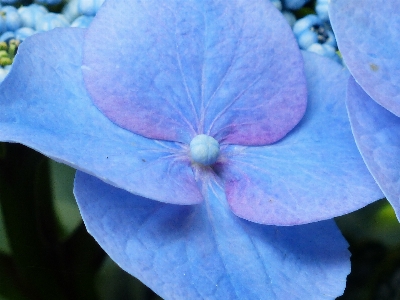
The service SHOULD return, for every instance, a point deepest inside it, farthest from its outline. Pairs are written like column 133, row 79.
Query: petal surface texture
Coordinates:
column 173, row 69
column 368, row 36
column 377, row 133
column 44, row 105
column 316, row 172
column 205, row 252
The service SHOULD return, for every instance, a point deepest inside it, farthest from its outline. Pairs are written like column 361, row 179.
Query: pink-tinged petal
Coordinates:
column 368, row 36
column 377, row 134
column 316, row 172
column 177, row 68
column 44, row 105
column 205, row 252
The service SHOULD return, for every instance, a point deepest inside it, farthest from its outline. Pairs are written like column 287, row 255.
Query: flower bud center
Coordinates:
column 204, row 149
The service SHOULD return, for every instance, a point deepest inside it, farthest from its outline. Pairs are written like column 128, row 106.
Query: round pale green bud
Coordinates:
column 204, row 149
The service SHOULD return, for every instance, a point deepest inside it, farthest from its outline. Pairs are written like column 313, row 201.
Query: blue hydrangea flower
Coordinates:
column 89, row 7
column 7, row 36
column 76, row 8
column 31, row 14
column 11, row 17
column 369, row 40
column 324, row 50
column 321, row 8
column 311, row 30
column 71, row 10
column 24, row 32
column 82, row 21
column 277, row 4
column 50, row 21
column 123, row 103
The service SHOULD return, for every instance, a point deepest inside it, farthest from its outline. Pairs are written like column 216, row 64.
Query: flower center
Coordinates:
column 204, row 149
column 321, row 33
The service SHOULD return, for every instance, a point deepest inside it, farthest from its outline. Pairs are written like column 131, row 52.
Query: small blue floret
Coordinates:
column 310, row 30
column 321, row 8
column 204, row 149
column 11, row 17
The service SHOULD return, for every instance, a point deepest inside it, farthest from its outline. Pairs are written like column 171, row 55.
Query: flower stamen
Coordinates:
column 204, row 149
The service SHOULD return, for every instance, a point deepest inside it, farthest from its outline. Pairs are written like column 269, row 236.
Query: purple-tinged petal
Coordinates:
column 205, row 252
column 368, row 36
column 172, row 70
column 377, row 134
column 316, row 172
column 44, row 105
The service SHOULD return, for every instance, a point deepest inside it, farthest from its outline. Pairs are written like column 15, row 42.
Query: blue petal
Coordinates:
column 172, row 70
column 377, row 133
column 316, row 172
column 44, row 105
column 368, row 36
column 205, row 252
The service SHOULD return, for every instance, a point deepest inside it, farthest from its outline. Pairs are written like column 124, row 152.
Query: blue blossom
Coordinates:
column 324, row 50
column 22, row 33
column 31, row 14
column 123, row 103
column 311, row 30
column 71, row 10
column 50, row 21
column 76, row 8
column 11, row 18
column 369, row 40
column 321, row 8
column 82, row 21
column 7, row 36
column 277, row 4
column 89, row 7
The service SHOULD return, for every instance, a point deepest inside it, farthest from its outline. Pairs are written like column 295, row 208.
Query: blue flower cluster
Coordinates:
column 27, row 20
column 315, row 35
column 21, row 19
column 19, row 22
column 81, row 12
column 313, row 32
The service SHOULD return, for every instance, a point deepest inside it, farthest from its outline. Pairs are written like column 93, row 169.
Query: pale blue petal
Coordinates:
column 377, row 134
column 177, row 68
column 44, row 105
column 368, row 36
column 316, row 172
column 205, row 252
